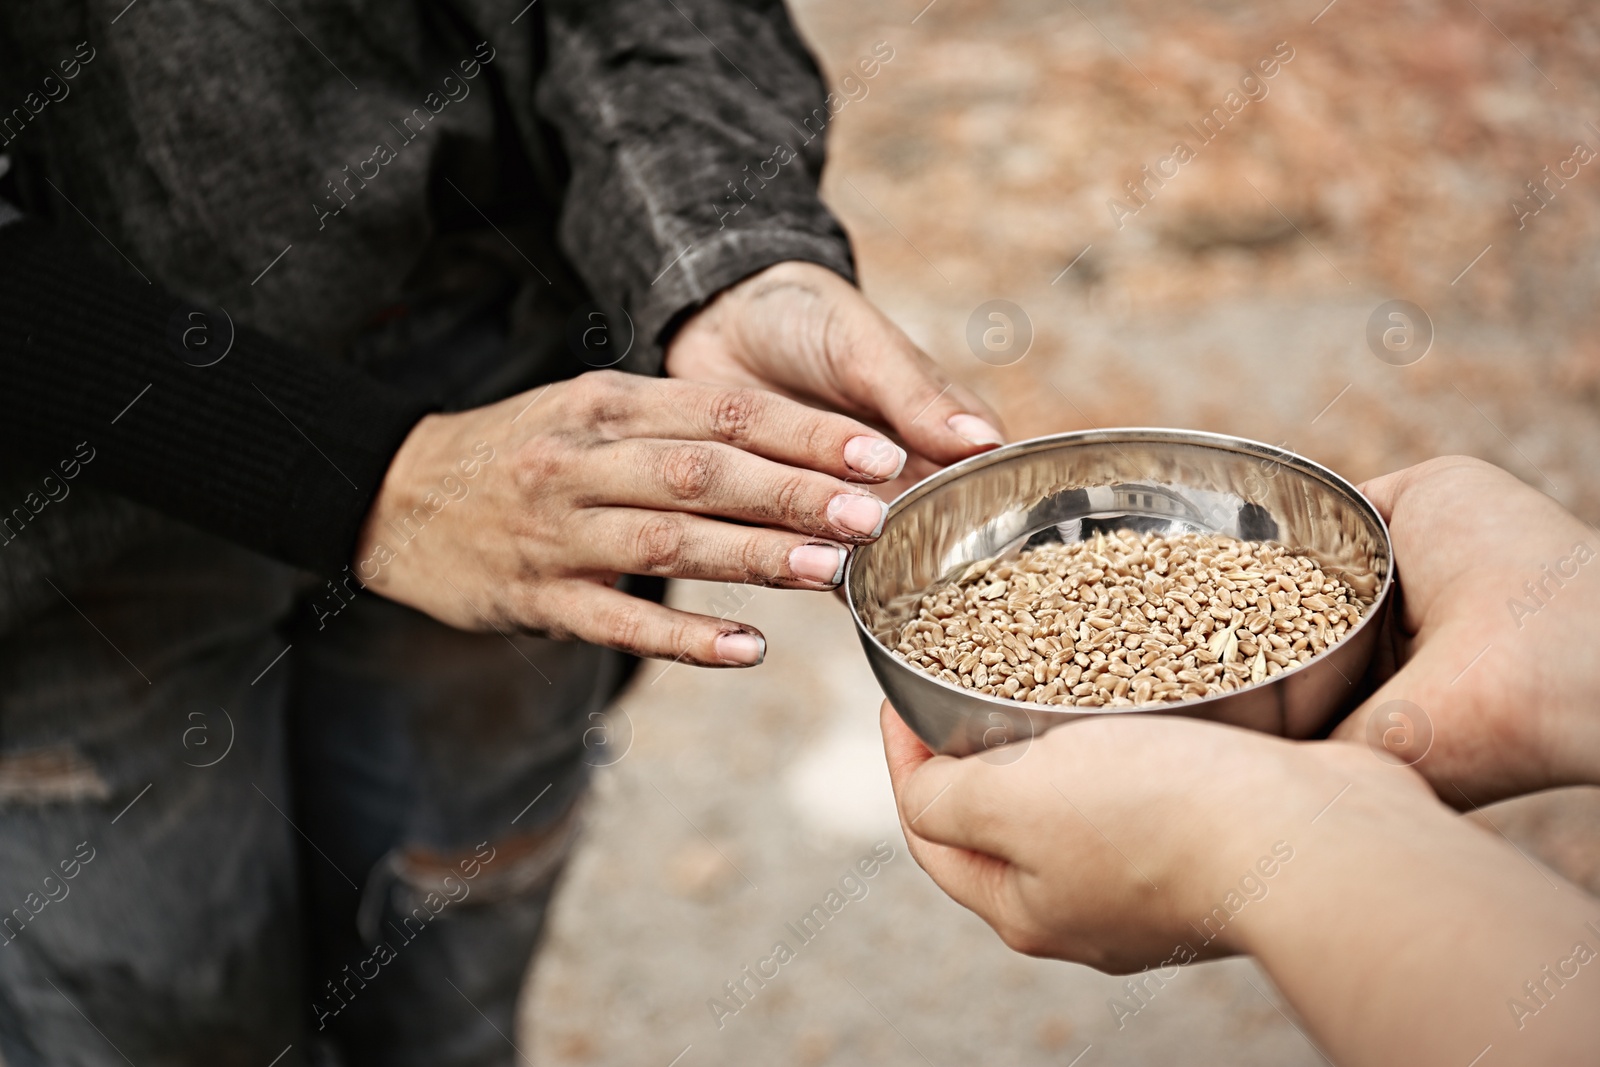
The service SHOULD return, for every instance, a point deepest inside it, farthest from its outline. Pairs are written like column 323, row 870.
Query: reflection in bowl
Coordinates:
column 1068, row 487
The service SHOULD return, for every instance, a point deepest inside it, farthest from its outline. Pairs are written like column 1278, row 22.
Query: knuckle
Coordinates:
column 659, row 543
column 789, row 502
column 529, row 532
column 681, row 638
column 525, row 609
column 817, row 439
column 688, row 472
column 928, row 393
column 1439, row 464
column 756, row 561
column 1020, row 937
column 627, row 629
column 536, row 463
column 586, row 387
column 733, row 414
column 603, row 381
column 604, row 395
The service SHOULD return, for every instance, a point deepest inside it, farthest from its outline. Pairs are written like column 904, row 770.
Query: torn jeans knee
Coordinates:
column 416, row 884
column 51, row 774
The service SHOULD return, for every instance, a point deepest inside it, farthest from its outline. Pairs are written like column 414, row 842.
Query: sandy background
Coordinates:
column 1382, row 164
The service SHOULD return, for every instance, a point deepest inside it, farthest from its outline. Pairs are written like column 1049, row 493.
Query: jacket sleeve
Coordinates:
column 694, row 130
column 170, row 405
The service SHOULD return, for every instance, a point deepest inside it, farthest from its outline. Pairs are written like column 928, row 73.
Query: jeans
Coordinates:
column 233, row 829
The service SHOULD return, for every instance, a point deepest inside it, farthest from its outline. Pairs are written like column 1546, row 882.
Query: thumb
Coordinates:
column 1432, row 719
column 903, row 749
column 934, row 416
column 1395, row 721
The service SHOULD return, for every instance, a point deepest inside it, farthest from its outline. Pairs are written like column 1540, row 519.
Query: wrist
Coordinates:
column 1230, row 837
column 1258, row 837
column 782, row 308
column 1275, row 808
column 397, row 495
column 1354, row 816
column 1399, row 928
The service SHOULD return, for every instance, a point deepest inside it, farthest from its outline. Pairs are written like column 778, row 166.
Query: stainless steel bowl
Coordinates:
column 1066, row 487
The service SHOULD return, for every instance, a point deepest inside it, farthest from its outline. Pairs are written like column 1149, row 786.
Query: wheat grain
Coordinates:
column 1129, row 619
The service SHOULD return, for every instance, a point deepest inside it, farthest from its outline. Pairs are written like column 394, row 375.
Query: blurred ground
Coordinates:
column 1382, row 163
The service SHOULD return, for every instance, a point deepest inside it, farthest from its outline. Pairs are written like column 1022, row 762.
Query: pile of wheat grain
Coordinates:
column 1129, row 619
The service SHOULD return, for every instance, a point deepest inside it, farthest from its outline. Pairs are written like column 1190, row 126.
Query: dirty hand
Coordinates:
column 521, row 515
column 801, row 330
column 1498, row 690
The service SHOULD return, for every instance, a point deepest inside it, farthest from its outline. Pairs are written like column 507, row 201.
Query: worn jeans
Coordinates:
column 213, row 854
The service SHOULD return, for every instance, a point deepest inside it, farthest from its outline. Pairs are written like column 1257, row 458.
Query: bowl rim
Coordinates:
column 1114, row 435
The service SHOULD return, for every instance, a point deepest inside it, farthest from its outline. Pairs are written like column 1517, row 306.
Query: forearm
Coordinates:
column 1407, row 935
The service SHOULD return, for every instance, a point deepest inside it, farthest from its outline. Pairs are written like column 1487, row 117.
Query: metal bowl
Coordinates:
column 1065, row 488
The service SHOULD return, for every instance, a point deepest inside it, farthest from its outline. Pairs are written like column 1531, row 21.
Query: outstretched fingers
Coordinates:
column 605, row 616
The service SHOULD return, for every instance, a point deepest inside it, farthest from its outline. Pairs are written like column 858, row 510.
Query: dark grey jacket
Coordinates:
column 341, row 185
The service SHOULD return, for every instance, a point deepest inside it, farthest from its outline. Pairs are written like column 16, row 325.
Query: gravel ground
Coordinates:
column 1383, row 163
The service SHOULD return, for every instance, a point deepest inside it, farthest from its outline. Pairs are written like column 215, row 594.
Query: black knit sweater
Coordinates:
column 224, row 205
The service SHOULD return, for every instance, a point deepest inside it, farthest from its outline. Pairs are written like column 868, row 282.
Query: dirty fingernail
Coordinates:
column 741, row 649
column 974, row 430
column 874, row 457
column 819, row 563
